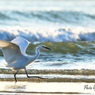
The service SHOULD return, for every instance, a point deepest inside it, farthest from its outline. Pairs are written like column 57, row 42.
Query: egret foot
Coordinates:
column 32, row 76
column 41, row 78
column 35, row 77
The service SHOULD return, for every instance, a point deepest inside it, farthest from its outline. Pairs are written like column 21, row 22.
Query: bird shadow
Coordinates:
column 15, row 87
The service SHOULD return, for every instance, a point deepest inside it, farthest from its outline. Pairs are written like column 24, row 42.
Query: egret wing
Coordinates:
column 11, row 51
column 22, row 43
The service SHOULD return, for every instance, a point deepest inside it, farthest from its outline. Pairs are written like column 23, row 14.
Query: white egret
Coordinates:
column 15, row 56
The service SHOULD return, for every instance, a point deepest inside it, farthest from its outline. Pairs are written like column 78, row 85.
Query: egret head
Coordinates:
column 43, row 46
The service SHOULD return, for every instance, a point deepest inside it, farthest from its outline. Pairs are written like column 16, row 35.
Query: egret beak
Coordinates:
column 46, row 48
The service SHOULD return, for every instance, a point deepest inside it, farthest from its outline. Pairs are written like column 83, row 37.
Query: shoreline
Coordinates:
column 9, row 92
column 47, row 88
column 8, row 75
column 52, row 71
column 49, row 80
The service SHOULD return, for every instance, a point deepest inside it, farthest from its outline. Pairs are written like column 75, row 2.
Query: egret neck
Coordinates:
column 33, row 58
column 37, row 53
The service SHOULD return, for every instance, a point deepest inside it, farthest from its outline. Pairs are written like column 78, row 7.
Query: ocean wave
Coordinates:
column 68, row 47
column 3, row 16
column 48, row 34
column 52, row 15
column 45, row 18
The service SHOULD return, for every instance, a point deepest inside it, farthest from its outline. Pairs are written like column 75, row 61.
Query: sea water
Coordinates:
column 66, row 26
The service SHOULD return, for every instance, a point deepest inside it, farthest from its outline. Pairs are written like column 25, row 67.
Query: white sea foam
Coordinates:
column 49, row 76
column 48, row 34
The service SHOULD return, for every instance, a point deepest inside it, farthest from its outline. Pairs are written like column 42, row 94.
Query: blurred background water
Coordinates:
column 66, row 26
column 44, row 13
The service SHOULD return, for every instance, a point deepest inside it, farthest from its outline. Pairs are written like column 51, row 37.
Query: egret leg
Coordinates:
column 27, row 73
column 15, row 76
column 32, row 76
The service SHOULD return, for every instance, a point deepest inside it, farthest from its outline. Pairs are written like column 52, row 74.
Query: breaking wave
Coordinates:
column 48, row 34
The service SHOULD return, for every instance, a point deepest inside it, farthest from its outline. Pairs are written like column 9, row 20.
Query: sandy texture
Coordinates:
column 44, row 87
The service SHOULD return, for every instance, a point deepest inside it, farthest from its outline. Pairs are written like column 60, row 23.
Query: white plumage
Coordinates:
column 15, row 54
